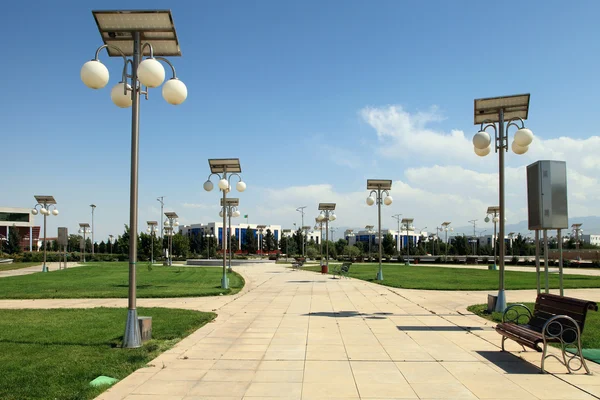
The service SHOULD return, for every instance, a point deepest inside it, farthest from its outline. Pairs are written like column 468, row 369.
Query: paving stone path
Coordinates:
column 301, row 335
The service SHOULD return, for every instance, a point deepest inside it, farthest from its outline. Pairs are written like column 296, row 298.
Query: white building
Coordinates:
column 22, row 220
column 401, row 240
column 239, row 231
column 591, row 239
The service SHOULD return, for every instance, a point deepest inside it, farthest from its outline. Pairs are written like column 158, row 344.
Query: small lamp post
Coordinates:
column 152, row 229
column 445, row 228
column 84, row 228
column 170, row 223
column 93, row 209
column 398, row 219
column 44, row 203
column 327, row 214
column 301, row 211
column 230, row 207
column 370, row 231
column 208, row 237
column 407, row 223
column 493, row 212
column 110, row 240
column 221, row 168
column 287, row 239
column 378, row 187
column 319, row 226
column 260, row 229
column 505, row 111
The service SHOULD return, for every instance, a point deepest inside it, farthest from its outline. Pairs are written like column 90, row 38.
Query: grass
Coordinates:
column 111, row 280
column 19, row 265
column 441, row 278
column 54, row 354
column 590, row 339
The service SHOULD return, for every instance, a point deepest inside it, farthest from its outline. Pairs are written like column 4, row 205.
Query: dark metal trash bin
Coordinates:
column 324, row 269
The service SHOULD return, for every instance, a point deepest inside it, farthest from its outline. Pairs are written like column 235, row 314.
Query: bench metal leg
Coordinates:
column 503, row 340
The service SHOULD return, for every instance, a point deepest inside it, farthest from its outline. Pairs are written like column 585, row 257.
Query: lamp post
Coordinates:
column 397, row 218
column 44, row 203
column 421, row 236
column 474, row 222
column 301, row 211
column 230, row 207
column 152, row 229
column 511, row 235
column 161, row 200
column 377, row 188
column 305, row 229
column 287, row 238
column 122, row 32
column 260, row 229
column 110, row 240
column 333, row 233
column 220, row 168
column 407, row 223
column 576, row 230
column 170, row 223
column 493, row 211
column 208, row 236
column 370, row 231
column 445, row 228
column 84, row 228
column 319, row 226
column 505, row 111
column 93, row 209
column 327, row 214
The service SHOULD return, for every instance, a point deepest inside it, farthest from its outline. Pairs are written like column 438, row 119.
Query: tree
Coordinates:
column 287, row 245
column 298, row 239
column 73, row 242
column 123, row 242
column 250, row 245
column 14, row 241
column 55, row 245
column 460, row 246
column 340, row 245
column 269, row 241
column 88, row 245
column 352, row 252
column 181, row 245
column 196, row 243
column 102, row 247
column 234, row 243
column 388, row 245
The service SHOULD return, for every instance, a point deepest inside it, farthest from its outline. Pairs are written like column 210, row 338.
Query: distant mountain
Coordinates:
column 590, row 225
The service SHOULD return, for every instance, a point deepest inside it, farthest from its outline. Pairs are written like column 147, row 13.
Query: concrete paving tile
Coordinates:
column 215, row 390
column 282, row 390
column 442, row 390
column 162, row 387
column 329, row 390
column 152, row 397
column 278, row 376
column 328, row 371
column 223, row 375
column 168, row 374
column 236, row 364
column 425, row 372
column 496, row 388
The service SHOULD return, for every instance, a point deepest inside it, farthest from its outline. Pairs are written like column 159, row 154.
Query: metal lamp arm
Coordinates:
column 232, row 175
column 170, row 65
column 147, row 44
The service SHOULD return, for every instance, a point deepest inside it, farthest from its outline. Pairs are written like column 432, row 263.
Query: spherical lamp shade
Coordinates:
column 151, row 73
column 174, row 92
column 167, row 223
column 80, row 231
column 119, row 97
column 223, row 184
column 55, row 212
column 236, row 214
column 388, row 200
column 483, row 152
column 221, row 213
column 148, row 229
column 176, row 223
column 321, row 217
column 487, row 219
column 523, row 137
column 332, row 217
column 370, row 200
column 43, row 211
column 481, row 140
column 208, row 186
column 519, row 149
column 496, row 219
column 451, row 229
column 34, row 211
column 94, row 74
column 241, row 186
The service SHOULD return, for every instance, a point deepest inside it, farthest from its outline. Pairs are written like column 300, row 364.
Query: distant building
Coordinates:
column 239, row 231
column 403, row 239
column 20, row 219
column 591, row 239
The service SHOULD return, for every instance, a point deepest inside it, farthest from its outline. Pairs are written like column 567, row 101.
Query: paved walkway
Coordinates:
column 52, row 266
column 300, row 335
column 552, row 270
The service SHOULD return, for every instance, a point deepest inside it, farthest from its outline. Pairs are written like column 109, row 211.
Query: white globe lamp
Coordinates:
column 208, row 186
column 487, row 219
column 176, row 223
column 119, row 96
column 43, row 211
column 388, row 200
column 483, row 152
column 94, row 74
column 496, row 219
column 370, row 200
column 151, row 73
column 55, row 212
column 321, row 217
column 223, row 184
column 174, row 92
column 523, row 137
column 481, row 140
column 34, row 211
column 221, row 213
column 240, row 186
column 517, row 149
column 332, row 217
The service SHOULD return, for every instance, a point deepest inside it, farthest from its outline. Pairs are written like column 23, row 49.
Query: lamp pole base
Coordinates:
column 380, row 275
column 501, row 301
column 224, row 282
column 44, row 268
column 132, row 339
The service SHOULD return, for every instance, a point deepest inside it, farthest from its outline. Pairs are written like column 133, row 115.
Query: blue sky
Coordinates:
column 314, row 98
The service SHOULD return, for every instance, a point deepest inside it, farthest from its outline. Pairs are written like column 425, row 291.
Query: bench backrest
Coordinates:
column 549, row 305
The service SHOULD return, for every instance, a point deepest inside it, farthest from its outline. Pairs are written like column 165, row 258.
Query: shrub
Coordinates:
column 514, row 260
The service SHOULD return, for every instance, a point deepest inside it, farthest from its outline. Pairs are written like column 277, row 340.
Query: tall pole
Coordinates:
column 132, row 337
column 473, row 221
column 407, row 246
column 301, row 211
column 327, row 240
column 161, row 200
column 494, row 243
column 229, row 234
column 152, row 245
column 224, row 280
column 397, row 217
column 84, row 241
column 93, row 208
column 44, row 267
column 502, row 143
column 380, row 272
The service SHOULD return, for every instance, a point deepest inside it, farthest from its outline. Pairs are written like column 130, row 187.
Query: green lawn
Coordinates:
column 111, row 280
column 19, row 265
column 441, row 278
column 54, row 354
column 590, row 339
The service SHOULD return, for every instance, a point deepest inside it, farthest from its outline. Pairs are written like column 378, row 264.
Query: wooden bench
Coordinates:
column 555, row 319
column 298, row 263
column 342, row 270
